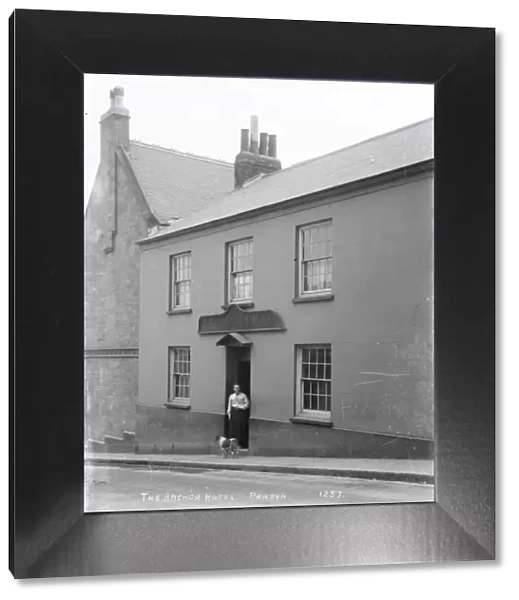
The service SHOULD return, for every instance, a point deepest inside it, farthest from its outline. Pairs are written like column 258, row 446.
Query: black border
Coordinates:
column 50, row 535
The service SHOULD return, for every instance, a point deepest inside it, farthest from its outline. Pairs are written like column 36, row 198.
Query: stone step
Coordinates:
column 96, row 446
column 112, row 439
column 129, row 436
column 150, row 448
column 113, row 443
column 119, row 444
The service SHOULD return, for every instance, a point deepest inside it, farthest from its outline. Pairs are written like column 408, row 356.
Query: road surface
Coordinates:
column 124, row 488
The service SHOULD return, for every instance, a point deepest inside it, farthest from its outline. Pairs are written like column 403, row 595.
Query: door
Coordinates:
column 238, row 370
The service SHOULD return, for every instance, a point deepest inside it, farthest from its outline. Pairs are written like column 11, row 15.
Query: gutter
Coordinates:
column 322, row 195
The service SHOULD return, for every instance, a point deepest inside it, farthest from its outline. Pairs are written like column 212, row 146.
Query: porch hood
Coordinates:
column 234, row 339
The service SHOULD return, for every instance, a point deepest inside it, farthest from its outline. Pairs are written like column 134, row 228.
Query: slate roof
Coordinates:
column 400, row 148
column 177, row 184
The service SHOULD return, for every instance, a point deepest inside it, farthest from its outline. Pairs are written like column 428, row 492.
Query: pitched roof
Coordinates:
column 400, row 148
column 177, row 184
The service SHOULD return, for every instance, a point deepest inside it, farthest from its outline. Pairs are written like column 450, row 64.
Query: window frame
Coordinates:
column 300, row 292
column 172, row 281
column 300, row 411
column 172, row 359
column 229, row 272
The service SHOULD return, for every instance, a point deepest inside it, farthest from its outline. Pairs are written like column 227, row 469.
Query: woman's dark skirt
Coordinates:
column 239, row 426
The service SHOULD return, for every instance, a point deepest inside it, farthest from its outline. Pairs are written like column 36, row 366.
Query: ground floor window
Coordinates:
column 179, row 375
column 314, row 381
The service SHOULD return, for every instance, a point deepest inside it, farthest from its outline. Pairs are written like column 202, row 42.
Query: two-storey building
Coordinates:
column 312, row 288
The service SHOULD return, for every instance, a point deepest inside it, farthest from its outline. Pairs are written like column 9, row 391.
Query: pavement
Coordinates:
column 396, row 470
column 111, row 488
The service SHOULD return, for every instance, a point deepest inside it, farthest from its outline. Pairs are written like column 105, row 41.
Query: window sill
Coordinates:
column 313, row 298
column 244, row 304
column 300, row 420
column 180, row 311
column 177, row 405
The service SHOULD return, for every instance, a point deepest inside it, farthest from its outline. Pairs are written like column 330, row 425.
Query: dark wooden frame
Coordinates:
column 50, row 535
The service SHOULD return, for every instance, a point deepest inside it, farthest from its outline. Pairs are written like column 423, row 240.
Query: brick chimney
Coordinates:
column 115, row 126
column 258, row 155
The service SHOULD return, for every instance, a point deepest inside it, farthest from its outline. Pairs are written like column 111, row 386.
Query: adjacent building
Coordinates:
column 138, row 189
column 310, row 286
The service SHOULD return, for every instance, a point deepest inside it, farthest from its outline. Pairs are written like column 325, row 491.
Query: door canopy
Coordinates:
column 234, row 340
column 236, row 319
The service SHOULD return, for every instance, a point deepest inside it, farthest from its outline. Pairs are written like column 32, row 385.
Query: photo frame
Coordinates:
column 50, row 534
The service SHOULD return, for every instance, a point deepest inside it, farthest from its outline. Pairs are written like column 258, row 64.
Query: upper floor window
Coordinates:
column 180, row 274
column 315, row 258
column 240, row 274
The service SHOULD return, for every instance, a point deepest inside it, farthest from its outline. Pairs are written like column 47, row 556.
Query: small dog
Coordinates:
column 228, row 446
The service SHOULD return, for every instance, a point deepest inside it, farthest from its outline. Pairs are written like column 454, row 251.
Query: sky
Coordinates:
column 204, row 115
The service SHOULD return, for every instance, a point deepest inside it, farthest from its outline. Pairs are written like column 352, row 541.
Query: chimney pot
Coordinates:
column 117, row 97
column 244, row 147
column 263, row 143
column 272, row 151
column 254, row 128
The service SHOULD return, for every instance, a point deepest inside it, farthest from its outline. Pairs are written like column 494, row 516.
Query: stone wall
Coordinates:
column 116, row 217
column 111, row 386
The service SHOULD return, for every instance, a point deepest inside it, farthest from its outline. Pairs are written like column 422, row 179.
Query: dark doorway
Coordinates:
column 237, row 371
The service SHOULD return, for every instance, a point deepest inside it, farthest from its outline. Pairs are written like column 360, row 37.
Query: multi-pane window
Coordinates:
column 315, row 258
column 180, row 375
column 240, row 270
column 315, row 380
column 181, row 280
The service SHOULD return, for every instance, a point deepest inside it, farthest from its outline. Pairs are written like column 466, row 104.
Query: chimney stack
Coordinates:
column 263, row 143
column 115, row 125
column 258, row 155
column 115, row 132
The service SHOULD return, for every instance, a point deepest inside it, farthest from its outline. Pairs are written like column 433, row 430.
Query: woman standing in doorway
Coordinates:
column 238, row 413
